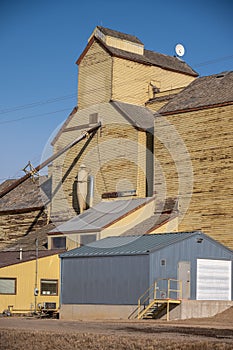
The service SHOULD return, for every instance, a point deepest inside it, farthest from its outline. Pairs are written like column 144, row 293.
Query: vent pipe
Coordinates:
column 90, row 191
column 20, row 254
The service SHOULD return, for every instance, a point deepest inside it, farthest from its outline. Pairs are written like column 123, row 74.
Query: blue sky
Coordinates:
column 41, row 41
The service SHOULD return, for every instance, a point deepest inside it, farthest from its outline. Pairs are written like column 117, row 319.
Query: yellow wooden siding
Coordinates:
column 141, row 166
column 207, row 134
column 162, row 98
column 25, row 272
column 131, row 80
column 112, row 157
column 124, row 45
column 170, row 226
column 129, row 221
column 95, row 77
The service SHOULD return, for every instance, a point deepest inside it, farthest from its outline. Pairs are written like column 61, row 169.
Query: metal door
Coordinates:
column 184, row 276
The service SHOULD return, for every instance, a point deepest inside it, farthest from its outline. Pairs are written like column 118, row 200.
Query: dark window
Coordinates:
column 163, row 262
column 7, row 285
column 49, row 287
column 59, row 242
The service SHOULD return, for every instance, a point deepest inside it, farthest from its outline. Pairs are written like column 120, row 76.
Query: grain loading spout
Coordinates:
column 86, row 134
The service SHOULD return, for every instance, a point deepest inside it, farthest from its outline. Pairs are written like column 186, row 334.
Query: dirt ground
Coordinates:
column 44, row 334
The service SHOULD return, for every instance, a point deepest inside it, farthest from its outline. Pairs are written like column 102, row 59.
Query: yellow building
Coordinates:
column 116, row 77
column 29, row 283
column 193, row 145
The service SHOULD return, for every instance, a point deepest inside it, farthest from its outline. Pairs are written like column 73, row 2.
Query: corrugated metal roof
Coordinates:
column 138, row 116
column 101, row 215
column 130, row 245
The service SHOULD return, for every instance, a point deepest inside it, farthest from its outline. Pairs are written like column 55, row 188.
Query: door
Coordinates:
column 184, row 276
column 213, row 279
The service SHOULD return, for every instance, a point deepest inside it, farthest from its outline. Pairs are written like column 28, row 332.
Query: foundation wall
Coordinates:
column 187, row 309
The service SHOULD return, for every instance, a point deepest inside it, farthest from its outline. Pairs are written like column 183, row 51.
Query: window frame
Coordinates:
column 53, row 246
column 44, row 280
column 15, row 285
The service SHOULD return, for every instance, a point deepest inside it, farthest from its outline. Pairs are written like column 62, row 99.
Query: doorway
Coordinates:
column 184, row 268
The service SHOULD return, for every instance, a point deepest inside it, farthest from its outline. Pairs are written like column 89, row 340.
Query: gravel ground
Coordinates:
column 45, row 334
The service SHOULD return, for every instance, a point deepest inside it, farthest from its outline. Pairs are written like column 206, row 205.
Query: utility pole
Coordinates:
column 36, row 291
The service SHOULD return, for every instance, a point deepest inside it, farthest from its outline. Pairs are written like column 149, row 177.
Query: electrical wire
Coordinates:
column 34, row 116
column 206, row 63
column 36, row 104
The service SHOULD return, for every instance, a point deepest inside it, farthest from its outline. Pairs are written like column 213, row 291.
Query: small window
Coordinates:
column 163, row 262
column 59, row 242
column 8, row 286
column 93, row 118
column 49, row 287
column 86, row 239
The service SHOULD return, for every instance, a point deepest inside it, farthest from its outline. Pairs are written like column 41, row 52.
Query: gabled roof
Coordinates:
column 27, row 196
column 129, row 245
column 101, row 216
column 138, row 116
column 8, row 258
column 204, row 92
column 148, row 58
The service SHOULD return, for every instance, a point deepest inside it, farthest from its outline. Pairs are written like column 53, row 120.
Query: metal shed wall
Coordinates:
column 187, row 250
column 117, row 280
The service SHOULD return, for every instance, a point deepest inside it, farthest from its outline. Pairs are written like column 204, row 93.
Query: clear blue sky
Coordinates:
column 41, row 40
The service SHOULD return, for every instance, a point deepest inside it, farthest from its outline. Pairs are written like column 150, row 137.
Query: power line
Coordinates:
column 33, row 116
column 36, row 104
column 206, row 63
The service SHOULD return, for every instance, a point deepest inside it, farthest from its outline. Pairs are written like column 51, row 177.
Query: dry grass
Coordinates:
column 42, row 340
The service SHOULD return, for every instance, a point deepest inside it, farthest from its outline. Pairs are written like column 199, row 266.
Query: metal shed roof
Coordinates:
column 128, row 245
column 101, row 215
column 138, row 116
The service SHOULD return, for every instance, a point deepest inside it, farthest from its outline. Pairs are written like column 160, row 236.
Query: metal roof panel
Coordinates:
column 101, row 215
column 128, row 245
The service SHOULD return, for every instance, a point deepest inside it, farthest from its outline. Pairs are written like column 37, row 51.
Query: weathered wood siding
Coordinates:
column 14, row 226
column 115, row 156
column 131, row 81
column 207, row 134
column 95, row 77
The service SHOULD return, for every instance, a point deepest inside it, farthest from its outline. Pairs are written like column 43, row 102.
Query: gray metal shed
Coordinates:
column 118, row 270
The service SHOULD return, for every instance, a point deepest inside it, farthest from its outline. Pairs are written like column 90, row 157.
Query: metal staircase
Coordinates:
column 158, row 298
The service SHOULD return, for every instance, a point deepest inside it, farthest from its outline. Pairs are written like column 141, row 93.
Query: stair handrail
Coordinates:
column 151, row 292
column 177, row 291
